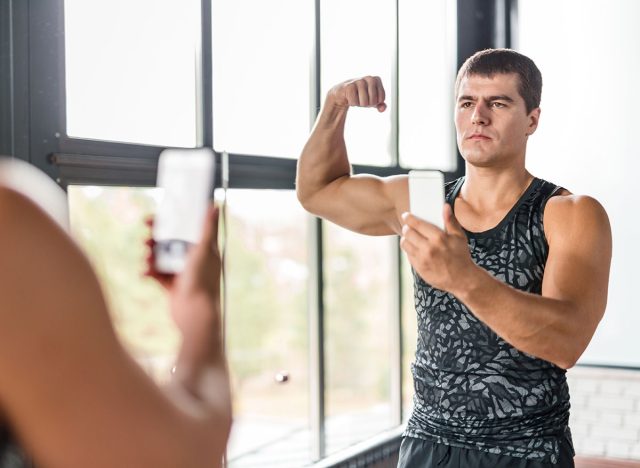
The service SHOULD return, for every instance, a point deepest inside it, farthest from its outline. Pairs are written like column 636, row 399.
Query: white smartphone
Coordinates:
column 186, row 177
column 426, row 196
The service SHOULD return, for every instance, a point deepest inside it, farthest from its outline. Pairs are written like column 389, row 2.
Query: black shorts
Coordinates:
column 418, row 453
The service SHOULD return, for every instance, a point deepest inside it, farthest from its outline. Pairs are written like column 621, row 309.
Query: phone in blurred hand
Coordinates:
column 186, row 179
column 426, row 196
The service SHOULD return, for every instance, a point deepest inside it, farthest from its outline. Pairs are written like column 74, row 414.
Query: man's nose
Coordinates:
column 480, row 114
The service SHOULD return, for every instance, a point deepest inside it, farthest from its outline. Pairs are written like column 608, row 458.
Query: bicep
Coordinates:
column 365, row 203
column 577, row 268
column 69, row 390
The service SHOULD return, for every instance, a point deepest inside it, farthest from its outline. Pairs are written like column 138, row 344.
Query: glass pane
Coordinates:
column 267, row 328
column 108, row 223
column 131, row 70
column 358, row 39
column 586, row 140
column 261, row 76
column 358, row 311
column 427, row 70
column 409, row 337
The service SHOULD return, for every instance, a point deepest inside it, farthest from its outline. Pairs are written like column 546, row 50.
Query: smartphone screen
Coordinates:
column 185, row 177
column 426, row 196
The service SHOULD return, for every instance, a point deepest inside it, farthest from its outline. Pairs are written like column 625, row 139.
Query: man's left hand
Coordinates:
column 440, row 257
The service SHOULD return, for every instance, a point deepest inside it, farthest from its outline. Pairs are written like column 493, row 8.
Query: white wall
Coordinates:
column 589, row 136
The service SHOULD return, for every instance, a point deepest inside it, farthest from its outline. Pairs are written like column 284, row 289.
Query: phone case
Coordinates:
column 186, row 178
column 426, row 196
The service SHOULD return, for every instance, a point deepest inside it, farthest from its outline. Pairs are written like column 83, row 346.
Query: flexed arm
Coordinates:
column 325, row 186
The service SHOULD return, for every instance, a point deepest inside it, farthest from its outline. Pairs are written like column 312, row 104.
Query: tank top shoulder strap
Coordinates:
column 543, row 192
column 451, row 190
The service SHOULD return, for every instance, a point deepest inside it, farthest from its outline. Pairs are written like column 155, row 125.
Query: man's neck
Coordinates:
column 490, row 188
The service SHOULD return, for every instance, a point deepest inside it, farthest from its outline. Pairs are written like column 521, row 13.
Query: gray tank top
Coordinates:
column 472, row 388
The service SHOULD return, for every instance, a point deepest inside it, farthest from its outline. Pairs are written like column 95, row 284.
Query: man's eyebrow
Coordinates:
column 499, row 97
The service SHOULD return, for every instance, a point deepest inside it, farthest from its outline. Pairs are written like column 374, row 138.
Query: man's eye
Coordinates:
column 498, row 105
column 465, row 105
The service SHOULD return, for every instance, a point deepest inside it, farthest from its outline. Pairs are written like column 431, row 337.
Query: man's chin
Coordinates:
column 479, row 159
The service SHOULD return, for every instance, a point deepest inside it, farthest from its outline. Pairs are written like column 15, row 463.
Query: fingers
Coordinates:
column 150, row 271
column 363, row 92
column 164, row 279
column 420, row 240
column 409, row 241
column 372, row 91
column 424, row 228
column 150, row 244
column 380, row 95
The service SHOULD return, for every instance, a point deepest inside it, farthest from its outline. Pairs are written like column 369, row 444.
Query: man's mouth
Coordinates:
column 479, row 136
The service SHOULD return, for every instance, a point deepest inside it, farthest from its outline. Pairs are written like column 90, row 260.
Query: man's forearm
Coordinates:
column 537, row 325
column 203, row 391
column 203, row 397
column 200, row 389
column 200, row 382
column 324, row 157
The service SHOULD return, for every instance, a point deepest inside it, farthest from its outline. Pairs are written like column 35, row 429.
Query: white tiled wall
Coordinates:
column 605, row 412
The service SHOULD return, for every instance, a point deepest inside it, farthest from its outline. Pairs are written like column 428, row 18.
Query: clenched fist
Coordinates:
column 362, row 92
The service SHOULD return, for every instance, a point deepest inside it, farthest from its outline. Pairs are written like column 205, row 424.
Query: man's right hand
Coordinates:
column 362, row 92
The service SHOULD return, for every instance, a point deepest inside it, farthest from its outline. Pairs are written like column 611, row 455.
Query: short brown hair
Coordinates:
column 489, row 62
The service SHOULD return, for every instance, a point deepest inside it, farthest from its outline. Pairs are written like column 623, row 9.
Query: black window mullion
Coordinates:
column 46, row 82
column 6, row 79
column 15, row 86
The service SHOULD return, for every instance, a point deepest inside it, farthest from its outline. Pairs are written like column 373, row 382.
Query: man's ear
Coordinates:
column 534, row 118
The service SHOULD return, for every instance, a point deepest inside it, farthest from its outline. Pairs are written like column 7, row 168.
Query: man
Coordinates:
column 505, row 303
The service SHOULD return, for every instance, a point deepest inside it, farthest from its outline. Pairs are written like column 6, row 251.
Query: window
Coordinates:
column 262, row 88
column 359, row 310
column 267, row 330
column 266, row 321
column 426, row 80
column 131, row 71
column 353, row 49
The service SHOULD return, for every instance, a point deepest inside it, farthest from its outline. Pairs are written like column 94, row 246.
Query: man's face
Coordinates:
column 492, row 124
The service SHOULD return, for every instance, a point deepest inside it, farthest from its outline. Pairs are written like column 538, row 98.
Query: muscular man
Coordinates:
column 508, row 295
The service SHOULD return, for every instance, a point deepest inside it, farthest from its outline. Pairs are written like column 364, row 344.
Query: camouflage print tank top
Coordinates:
column 472, row 388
